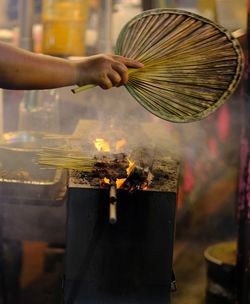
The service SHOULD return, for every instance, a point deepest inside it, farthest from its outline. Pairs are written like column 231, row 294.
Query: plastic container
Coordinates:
column 64, row 27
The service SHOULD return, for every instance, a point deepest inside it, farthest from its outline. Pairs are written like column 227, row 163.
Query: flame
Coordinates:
column 119, row 144
column 120, row 181
column 130, row 167
column 102, row 145
column 106, row 180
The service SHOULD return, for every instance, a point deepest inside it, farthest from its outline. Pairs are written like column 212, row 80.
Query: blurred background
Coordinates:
column 33, row 230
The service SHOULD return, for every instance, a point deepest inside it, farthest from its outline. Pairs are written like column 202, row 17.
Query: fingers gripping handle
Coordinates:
column 91, row 86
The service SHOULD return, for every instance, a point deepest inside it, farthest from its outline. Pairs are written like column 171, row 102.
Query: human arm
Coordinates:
column 24, row 70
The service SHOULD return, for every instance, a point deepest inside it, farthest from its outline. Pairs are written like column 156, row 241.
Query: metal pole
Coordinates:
column 105, row 24
column 166, row 3
column 25, row 15
column 26, row 11
column 170, row 3
column 148, row 4
column 243, row 253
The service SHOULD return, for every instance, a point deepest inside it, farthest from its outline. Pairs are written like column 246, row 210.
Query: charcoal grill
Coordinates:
column 129, row 262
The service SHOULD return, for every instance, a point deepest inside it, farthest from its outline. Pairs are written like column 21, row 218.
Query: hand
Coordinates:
column 104, row 70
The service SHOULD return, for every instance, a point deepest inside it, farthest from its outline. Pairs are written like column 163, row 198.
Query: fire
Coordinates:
column 120, row 181
column 102, row 145
column 119, row 144
column 106, row 180
column 130, row 167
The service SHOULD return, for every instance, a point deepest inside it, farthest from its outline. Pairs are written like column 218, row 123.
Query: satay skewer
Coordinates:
column 112, row 203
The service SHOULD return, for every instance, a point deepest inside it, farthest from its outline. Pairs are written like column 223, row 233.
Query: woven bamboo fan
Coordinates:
column 191, row 65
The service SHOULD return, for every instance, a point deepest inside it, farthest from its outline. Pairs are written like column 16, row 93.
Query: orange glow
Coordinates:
column 144, row 187
column 119, row 144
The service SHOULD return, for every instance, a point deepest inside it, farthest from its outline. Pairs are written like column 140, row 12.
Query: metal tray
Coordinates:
column 21, row 178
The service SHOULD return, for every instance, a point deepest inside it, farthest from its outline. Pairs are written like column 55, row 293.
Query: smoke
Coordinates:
column 116, row 114
column 208, row 150
column 115, row 111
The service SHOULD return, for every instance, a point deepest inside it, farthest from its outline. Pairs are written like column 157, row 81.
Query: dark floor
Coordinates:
column 190, row 272
column 42, row 287
column 189, row 266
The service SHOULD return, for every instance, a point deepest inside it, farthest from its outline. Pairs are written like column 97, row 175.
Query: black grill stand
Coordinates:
column 129, row 262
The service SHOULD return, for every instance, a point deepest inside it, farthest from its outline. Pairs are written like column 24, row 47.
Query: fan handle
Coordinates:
column 91, row 86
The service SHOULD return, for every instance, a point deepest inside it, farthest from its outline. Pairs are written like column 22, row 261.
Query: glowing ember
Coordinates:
column 120, row 181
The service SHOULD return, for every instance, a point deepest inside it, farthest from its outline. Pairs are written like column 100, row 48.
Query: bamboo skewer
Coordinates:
column 112, row 203
column 67, row 159
column 83, row 88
